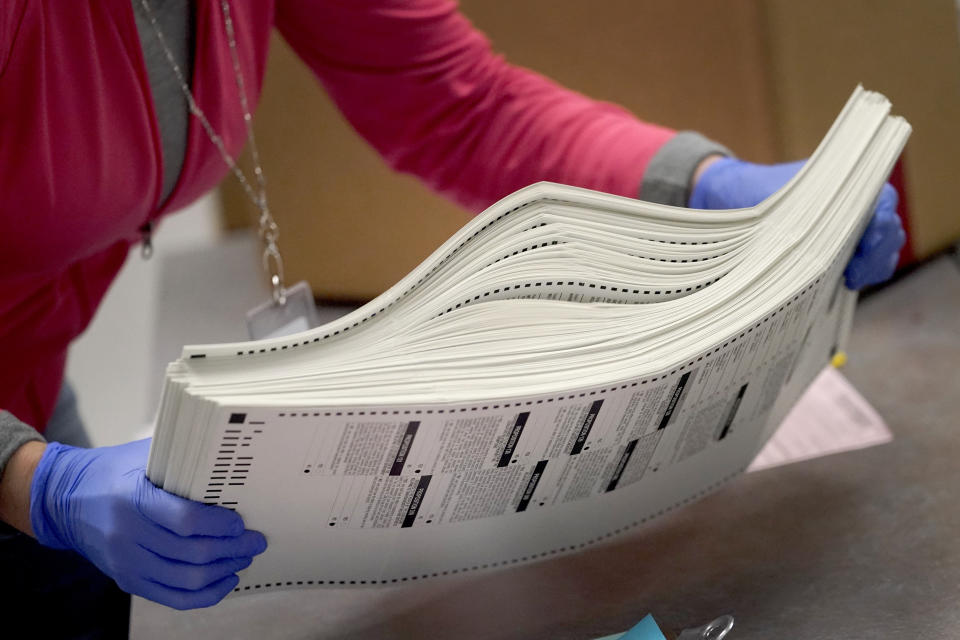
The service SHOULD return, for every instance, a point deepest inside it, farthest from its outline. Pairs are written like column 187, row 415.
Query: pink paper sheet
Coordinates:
column 829, row 418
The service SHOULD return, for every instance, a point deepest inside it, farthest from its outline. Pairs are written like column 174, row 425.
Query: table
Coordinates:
column 857, row 545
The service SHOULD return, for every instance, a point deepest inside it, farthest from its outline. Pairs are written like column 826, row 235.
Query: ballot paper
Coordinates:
column 566, row 367
column 831, row 417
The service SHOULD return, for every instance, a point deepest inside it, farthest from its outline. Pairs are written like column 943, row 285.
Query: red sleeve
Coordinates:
column 422, row 86
column 11, row 15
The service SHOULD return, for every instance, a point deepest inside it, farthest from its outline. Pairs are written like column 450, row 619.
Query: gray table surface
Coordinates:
column 857, row 545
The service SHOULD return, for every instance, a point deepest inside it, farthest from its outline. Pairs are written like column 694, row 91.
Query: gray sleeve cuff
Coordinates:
column 13, row 435
column 670, row 172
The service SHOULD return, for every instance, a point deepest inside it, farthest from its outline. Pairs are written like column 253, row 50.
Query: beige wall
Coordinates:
column 765, row 77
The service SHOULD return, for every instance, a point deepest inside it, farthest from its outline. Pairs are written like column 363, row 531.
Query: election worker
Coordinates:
column 114, row 113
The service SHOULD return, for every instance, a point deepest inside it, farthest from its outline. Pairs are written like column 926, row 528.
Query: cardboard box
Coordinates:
column 765, row 77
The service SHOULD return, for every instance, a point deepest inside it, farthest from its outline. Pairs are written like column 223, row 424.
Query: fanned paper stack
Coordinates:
column 566, row 367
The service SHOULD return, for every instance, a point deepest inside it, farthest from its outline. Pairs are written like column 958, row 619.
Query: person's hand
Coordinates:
column 728, row 183
column 174, row 551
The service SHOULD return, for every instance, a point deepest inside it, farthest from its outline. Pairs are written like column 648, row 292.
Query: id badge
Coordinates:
column 272, row 320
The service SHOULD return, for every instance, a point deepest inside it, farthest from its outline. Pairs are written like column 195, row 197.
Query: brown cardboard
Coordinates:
column 765, row 77
column 908, row 50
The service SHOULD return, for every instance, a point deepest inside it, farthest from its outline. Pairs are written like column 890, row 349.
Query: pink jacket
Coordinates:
column 80, row 153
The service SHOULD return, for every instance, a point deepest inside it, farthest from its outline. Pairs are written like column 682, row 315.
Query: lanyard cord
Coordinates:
column 268, row 230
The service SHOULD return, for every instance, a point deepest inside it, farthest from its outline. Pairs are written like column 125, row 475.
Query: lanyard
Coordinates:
column 269, row 232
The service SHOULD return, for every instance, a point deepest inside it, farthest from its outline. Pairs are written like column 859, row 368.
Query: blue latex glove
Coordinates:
column 174, row 551
column 729, row 183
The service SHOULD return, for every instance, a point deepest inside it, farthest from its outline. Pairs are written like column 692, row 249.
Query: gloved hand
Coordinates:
column 154, row 544
column 730, row 183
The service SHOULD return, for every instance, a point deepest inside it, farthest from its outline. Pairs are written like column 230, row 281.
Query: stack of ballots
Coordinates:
column 566, row 367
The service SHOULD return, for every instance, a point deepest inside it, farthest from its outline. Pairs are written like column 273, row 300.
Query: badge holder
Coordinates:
column 272, row 319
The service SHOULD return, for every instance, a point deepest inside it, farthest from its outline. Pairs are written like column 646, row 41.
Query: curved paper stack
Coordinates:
column 567, row 366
